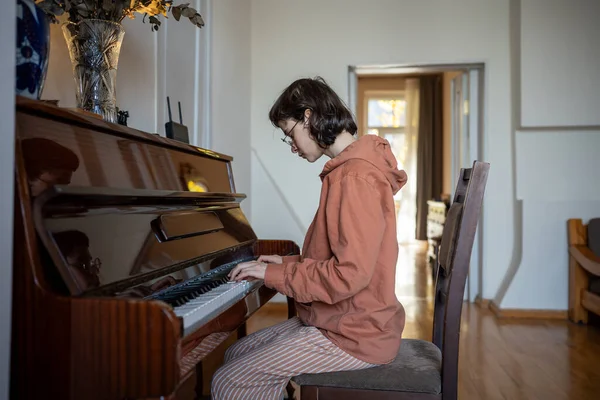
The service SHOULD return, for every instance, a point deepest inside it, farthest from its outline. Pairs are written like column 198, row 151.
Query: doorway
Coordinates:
column 386, row 108
column 388, row 93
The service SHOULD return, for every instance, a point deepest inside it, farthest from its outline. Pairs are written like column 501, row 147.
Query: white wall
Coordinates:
column 543, row 276
column 7, row 138
column 181, row 64
column 292, row 39
column 558, row 172
column 230, row 91
column 559, row 44
column 557, row 164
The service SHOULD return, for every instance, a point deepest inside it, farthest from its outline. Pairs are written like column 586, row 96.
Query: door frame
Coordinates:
column 474, row 290
column 466, row 118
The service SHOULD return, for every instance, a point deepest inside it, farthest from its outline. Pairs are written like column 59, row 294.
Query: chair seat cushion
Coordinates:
column 417, row 368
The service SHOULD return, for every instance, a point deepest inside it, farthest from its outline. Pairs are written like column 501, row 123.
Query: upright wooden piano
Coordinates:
column 122, row 244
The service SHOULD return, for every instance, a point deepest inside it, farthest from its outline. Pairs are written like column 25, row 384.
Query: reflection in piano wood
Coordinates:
column 47, row 164
column 123, row 241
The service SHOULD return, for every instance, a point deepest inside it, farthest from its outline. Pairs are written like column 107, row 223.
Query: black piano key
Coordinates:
column 193, row 286
column 182, row 294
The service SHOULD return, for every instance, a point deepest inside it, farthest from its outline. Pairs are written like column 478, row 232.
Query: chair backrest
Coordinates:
column 453, row 266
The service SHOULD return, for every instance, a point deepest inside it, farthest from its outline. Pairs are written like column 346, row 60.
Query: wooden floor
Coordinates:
column 499, row 359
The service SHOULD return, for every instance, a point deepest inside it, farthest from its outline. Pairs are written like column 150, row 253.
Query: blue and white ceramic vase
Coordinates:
column 33, row 49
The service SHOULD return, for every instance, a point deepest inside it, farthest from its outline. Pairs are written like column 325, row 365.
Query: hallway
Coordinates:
column 507, row 359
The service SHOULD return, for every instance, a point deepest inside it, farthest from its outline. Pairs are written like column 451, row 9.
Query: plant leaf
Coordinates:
column 154, row 20
column 176, row 11
column 50, row 7
column 116, row 10
column 188, row 12
column 197, row 20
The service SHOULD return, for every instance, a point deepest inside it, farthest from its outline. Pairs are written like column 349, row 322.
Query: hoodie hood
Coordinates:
column 376, row 151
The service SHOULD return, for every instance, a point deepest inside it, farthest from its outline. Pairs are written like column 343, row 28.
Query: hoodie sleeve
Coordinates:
column 287, row 259
column 355, row 227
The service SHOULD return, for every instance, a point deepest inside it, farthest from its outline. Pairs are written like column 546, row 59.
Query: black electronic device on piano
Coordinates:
column 174, row 130
column 123, row 241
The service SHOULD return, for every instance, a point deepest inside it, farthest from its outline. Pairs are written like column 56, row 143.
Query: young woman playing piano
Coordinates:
column 343, row 283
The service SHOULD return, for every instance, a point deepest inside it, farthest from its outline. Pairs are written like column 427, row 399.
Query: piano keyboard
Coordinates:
column 199, row 300
column 206, row 306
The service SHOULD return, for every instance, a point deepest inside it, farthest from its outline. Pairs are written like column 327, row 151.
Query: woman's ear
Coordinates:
column 307, row 114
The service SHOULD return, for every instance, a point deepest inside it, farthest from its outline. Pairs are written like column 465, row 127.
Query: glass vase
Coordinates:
column 94, row 47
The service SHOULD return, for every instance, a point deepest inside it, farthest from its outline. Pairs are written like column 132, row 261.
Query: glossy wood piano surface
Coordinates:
column 112, row 227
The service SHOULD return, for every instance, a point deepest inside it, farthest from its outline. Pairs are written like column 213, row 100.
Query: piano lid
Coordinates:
column 106, row 243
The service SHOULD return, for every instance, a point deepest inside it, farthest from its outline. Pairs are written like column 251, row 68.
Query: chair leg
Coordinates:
column 578, row 282
column 241, row 331
column 290, row 390
column 291, row 307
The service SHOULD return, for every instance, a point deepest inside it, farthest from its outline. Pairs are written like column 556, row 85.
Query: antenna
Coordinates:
column 180, row 118
column 169, row 107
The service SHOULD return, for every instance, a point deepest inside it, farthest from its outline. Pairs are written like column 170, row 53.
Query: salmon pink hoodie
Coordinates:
column 344, row 282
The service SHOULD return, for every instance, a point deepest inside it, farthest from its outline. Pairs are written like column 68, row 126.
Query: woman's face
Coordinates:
column 49, row 178
column 85, row 269
column 297, row 135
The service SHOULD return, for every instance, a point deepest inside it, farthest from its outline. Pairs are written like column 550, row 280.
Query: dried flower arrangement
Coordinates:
column 117, row 10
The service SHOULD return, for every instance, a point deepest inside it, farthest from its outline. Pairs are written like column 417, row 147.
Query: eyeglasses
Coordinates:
column 89, row 266
column 287, row 138
column 93, row 266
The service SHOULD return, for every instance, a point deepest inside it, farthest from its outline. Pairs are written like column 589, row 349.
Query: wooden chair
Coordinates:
column 584, row 269
column 422, row 370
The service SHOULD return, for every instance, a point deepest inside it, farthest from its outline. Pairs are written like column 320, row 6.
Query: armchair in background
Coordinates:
column 584, row 269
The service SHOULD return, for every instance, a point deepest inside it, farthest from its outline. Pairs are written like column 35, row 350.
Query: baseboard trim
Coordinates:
column 481, row 302
column 526, row 313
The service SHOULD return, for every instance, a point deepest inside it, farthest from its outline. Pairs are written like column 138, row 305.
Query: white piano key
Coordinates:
column 200, row 310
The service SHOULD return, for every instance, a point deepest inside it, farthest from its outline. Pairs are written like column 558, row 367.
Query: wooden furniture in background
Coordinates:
column 436, row 218
column 584, row 269
column 422, row 370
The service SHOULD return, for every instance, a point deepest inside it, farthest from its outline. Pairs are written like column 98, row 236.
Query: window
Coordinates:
column 386, row 115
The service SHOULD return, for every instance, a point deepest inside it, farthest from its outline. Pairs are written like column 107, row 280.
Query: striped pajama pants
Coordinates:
column 260, row 365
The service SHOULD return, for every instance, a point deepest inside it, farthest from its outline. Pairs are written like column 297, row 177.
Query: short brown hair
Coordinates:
column 329, row 114
column 67, row 241
column 43, row 155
